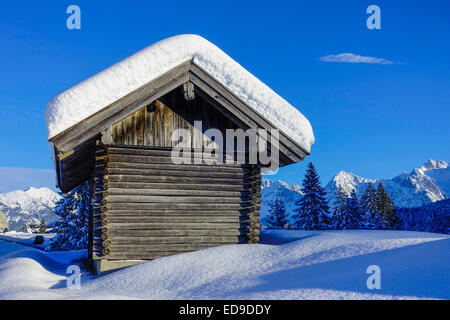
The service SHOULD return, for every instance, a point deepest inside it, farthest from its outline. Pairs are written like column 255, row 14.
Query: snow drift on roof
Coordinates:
column 92, row 95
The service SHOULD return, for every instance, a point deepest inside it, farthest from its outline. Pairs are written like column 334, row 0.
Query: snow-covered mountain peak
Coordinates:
column 433, row 165
column 347, row 181
column 30, row 198
column 279, row 185
column 29, row 206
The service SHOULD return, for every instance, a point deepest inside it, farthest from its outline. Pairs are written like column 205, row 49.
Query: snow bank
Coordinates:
column 92, row 95
column 27, row 273
column 310, row 265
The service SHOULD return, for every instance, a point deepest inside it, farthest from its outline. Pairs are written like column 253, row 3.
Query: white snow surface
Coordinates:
column 27, row 238
column 92, row 95
column 313, row 265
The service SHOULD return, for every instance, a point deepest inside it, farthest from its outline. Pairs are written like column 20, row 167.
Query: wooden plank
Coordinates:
column 168, row 160
column 181, row 192
column 158, row 151
column 206, row 173
column 172, row 226
column 177, row 199
column 177, row 167
column 176, row 212
column 177, row 233
column 178, row 186
column 188, row 91
column 168, row 205
column 184, row 180
column 174, row 219
column 171, row 239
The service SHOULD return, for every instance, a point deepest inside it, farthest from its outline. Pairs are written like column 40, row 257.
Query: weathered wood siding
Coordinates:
column 154, row 125
column 146, row 207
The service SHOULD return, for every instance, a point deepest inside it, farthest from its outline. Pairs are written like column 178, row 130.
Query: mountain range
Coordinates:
column 427, row 184
column 28, row 207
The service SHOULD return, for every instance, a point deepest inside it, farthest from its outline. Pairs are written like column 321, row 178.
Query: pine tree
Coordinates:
column 381, row 206
column 368, row 202
column 353, row 212
column 312, row 212
column 277, row 215
column 42, row 226
column 72, row 229
column 389, row 218
column 339, row 220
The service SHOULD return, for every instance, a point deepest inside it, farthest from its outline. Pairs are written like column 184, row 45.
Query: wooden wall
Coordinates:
column 146, row 207
column 153, row 125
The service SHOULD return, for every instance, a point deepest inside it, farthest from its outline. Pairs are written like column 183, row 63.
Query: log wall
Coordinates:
column 146, row 207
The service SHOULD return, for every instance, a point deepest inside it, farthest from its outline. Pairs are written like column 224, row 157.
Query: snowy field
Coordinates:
column 26, row 238
column 294, row 265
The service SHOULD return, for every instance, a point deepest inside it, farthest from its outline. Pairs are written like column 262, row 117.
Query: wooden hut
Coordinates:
column 145, row 206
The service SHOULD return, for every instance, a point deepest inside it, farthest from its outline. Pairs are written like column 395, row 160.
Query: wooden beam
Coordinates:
column 188, row 90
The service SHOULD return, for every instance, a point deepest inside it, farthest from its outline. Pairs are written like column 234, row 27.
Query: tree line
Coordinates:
column 373, row 210
column 432, row 217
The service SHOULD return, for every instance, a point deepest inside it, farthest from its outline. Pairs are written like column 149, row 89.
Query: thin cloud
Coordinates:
column 353, row 58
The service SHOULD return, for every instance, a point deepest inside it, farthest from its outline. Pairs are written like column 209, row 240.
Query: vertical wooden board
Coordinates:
column 149, row 129
column 188, row 123
column 140, row 115
column 121, row 132
column 161, row 125
column 175, row 122
column 167, row 126
column 133, row 129
column 115, row 133
column 156, row 127
column 198, row 133
column 206, row 142
column 185, row 116
column 125, row 130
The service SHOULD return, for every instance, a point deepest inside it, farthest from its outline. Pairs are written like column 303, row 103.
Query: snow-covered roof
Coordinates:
column 106, row 87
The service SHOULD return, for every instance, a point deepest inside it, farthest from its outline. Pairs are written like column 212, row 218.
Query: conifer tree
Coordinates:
column 389, row 218
column 277, row 215
column 353, row 212
column 368, row 202
column 312, row 212
column 72, row 229
column 339, row 219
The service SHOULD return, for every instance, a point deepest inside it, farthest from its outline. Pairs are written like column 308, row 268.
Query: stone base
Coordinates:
column 102, row 267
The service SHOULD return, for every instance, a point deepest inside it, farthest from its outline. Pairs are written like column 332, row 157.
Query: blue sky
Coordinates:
column 375, row 120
